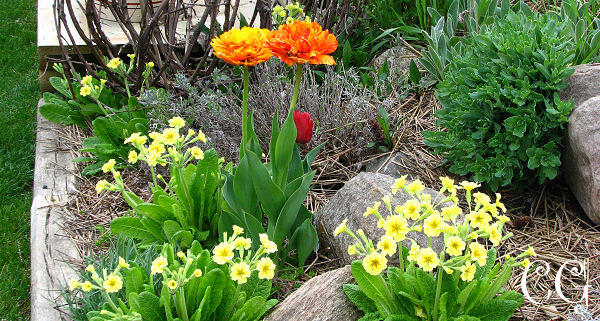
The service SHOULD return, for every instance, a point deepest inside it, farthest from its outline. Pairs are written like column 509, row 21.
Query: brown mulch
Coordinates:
column 547, row 218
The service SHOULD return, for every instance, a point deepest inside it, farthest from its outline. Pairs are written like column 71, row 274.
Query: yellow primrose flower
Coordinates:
column 153, row 158
column 176, row 122
column 481, row 198
column 468, row 272
column 448, row 183
column 90, row 268
column 372, row 210
column 433, row 225
column 156, row 148
column 398, row 184
column 495, row 234
column 102, row 82
column 450, row 230
column 201, row 136
column 131, row 56
column 86, row 80
column 455, row 246
column 380, row 223
column 499, row 204
column 341, row 228
column 86, row 286
column 265, row 268
column 158, row 265
column 172, row 284
column 237, row 230
column 415, row 187
column 113, row 284
column 240, row 272
column 155, row 136
column 170, row 136
column 413, row 253
column 189, row 261
column 123, row 263
column 223, row 253
column 270, row 246
column 242, row 243
column 136, row 138
column 387, row 245
column 73, row 284
column 101, row 185
column 387, row 200
column 197, row 152
column 191, row 132
column 277, row 9
column 530, row 251
column 450, row 213
column 428, row 259
column 473, row 235
column 289, row 20
column 197, row 273
column 411, row 209
column 526, row 262
column 180, row 255
column 150, row 64
column 469, row 186
column 503, row 219
column 478, row 253
column 108, row 165
column 479, row 219
column 374, row 263
column 396, row 226
column 352, row 250
column 448, row 270
column 85, row 91
column 114, row 63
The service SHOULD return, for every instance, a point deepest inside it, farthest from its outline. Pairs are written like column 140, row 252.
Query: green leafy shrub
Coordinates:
column 461, row 281
column 500, row 106
column 184, row 209
column 191, row 285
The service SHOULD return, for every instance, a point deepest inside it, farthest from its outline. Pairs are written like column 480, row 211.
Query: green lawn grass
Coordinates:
column 19, row 93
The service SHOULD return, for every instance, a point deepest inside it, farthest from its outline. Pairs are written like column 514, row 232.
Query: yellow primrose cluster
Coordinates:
column 435, row 216
column 165, row 148
column 108, row 283
column 241, row 267
column 289, row 13
column 174, row 278
column 89, row 89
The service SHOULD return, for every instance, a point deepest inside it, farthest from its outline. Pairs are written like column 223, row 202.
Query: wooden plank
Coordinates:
column 53, row 185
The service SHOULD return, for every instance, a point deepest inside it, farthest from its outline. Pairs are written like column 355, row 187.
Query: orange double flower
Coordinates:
column 299, row 42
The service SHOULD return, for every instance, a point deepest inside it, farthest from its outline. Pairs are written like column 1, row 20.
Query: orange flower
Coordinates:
column 302, row 42
column 242, row 47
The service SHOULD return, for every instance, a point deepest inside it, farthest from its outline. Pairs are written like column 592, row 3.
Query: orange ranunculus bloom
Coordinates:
column 302, row 42
column 242, row 46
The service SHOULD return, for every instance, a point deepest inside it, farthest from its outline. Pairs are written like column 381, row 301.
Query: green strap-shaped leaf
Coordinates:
column 304, row 239
column 374, row 287
column 270, row 195
column 283, row 151
column 154, row 212
column 131, row 227
column 150, row 308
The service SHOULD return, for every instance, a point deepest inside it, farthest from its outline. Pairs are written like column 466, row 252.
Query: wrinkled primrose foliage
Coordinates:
column 460, row 281
column 183, row 209
column 500, row 106
column 231, row 284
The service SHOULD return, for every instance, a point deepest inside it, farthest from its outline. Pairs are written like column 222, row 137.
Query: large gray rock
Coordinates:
column 583, row 84
column 320, row 299
column 581, row 159
column 395, row 165
column 398, row 59
column 350, row 202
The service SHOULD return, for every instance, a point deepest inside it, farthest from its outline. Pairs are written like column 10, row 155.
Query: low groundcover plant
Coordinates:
column 462, row 281
column 233, row 284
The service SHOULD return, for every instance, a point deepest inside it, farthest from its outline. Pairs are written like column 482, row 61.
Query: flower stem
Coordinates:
column 110, row 301
column 297, row 81
column 439, row 286
column 246, row 81
column 182, row 303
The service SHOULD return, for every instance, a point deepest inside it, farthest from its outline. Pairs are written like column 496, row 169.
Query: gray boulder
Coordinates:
column 320, row 299
column 583, row 84
column 395, row 165
column 398, row 60
column 350, row 202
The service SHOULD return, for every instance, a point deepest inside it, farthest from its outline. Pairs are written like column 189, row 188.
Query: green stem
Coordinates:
column 101, row 107
column 297, row 81
column 181, row 298
column 127, row 86
column 401, row 256
column 439, row 286
column 110, row 301
column 188, row 196
column 246, row 80
column 153, row 176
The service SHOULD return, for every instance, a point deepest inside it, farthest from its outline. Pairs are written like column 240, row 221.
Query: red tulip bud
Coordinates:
column 304, row 125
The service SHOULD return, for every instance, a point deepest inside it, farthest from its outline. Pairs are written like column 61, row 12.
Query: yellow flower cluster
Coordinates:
column 242, row 267
column 109, row 283
column 438, row 216
column 175, row 278
column 165, row 148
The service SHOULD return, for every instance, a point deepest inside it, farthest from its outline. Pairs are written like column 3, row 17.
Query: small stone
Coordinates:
column 319, row 299
column 398, row 59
